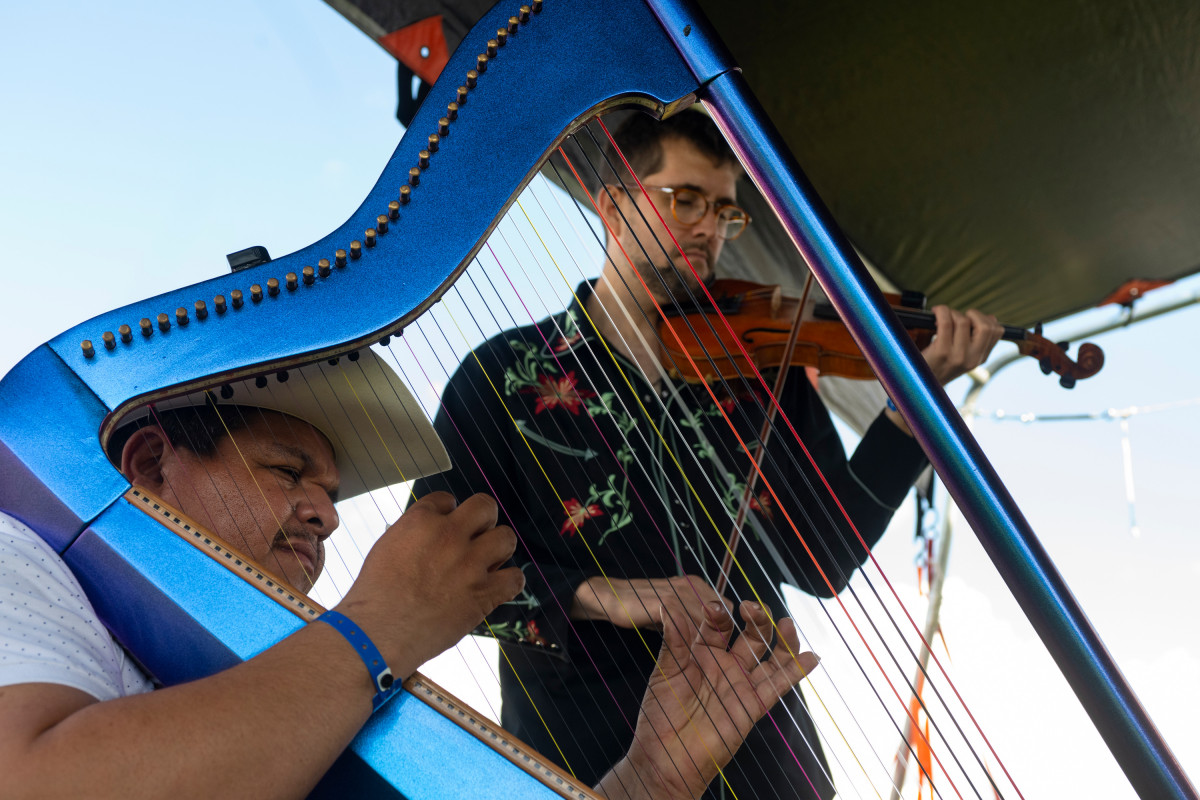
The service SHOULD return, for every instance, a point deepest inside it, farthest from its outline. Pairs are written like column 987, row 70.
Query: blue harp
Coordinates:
column 185, row 607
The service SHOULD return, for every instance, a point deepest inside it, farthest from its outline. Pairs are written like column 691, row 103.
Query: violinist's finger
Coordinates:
column 755, row 640
column 985, row 332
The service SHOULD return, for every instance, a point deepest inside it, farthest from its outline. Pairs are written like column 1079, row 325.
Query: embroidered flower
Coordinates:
column 554, row 392
column 577, row 514
column 533, row 635
column 562, row 344
column 761, row 503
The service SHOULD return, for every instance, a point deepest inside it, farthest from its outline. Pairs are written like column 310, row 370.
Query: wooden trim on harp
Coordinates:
column 420, row 687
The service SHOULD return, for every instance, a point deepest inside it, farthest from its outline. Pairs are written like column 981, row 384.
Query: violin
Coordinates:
column 761, row 318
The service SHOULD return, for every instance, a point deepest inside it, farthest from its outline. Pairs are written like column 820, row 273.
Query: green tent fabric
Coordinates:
column 1026, row 158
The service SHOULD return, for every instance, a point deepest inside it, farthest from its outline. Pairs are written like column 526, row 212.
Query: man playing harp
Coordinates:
column 643, row 475
column 261, row 472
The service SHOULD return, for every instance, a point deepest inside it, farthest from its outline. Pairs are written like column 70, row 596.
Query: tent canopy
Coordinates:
column 1027, row 158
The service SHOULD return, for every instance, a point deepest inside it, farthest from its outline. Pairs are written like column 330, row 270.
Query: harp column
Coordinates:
column 1006, row 535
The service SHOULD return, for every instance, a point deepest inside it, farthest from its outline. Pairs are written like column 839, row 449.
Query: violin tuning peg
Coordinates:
column 1064, row 346
column 1046, row 366
column 1067, row 382
column 1037, row 329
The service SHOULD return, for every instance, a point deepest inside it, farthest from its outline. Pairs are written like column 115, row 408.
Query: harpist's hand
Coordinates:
column 638, row 602
column 432, row 577
column 703, row 699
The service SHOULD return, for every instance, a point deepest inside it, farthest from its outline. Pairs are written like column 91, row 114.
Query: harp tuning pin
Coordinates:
column 423, row 159
column 110, row 341
column 385, row 341
column 513, row 24
column 88, row 350
column 323, row 266
column 273, row 286
column 282, row 376
column 236, row 297
column 181, row 316
column 452, row 111
column 369, row 237
column 261, row 381
column 461, row 97
column 339, row 258
column 201, row 310
column 333, row 362
column 444, row 126
column 353, row 356
column 227, row 392
column 414, row 176
column 310, row 274
column 502, row 37
column 493, row 46
column 381, row 223
column 481, row 63
column 405, row 194
column 434, row 141
column 355, row 249
column 472, row 79
column 292, row 281
column 537, row 6
column 393, row 210
column 256, row 293
column 126, row 333
column 219, row 303
column 523, row 14
column 147, row 327
column 164, row 323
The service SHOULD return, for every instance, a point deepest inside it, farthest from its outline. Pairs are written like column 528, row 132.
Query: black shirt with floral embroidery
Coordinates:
column 599, row 473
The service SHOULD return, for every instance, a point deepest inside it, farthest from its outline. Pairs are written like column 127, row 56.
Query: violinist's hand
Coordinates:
column 703, row 699
column 962, row 342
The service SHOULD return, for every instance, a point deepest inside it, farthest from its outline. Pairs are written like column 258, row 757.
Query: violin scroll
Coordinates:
column 1052, row 357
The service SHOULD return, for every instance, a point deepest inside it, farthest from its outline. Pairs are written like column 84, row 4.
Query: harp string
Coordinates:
column 712, row 555
column 768, row 391
column 740, row 441
column 494, row 636
column 783, row 417
column 510, row 280
column 717, row 530
column 550, row 482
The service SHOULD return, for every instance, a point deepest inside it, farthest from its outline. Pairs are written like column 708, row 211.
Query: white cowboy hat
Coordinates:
column 379, row 433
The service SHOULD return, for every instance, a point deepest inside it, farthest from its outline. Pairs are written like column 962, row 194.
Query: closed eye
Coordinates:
column 288, row 472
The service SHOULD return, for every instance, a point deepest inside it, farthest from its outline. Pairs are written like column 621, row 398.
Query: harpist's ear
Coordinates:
column 141, row 459
column 608, row 209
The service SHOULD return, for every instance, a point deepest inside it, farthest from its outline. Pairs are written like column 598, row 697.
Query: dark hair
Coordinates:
column 198, row 429
column 640, row 139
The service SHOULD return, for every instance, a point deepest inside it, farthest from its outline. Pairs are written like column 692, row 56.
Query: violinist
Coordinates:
column 622, row 524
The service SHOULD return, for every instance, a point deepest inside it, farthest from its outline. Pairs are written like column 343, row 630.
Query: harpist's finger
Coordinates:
column 755, row 641
column 787, row 664
column 717, row 628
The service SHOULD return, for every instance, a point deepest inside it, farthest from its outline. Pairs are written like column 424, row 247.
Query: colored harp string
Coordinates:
column 426, row 374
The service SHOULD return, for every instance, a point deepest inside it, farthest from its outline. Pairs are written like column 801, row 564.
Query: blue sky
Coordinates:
column 143, row 142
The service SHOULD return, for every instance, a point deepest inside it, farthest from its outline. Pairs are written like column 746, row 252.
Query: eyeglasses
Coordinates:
column 689, row 206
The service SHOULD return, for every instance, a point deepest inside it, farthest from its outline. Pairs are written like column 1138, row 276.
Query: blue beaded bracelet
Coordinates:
column 381, row 674
column 892, row 406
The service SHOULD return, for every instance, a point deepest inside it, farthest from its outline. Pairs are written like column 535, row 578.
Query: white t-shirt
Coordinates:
column 49, row 632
